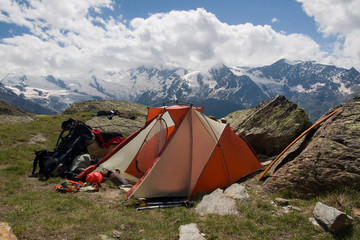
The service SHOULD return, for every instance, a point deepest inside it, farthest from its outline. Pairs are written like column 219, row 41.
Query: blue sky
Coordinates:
column 73, row 38
column 291, row 18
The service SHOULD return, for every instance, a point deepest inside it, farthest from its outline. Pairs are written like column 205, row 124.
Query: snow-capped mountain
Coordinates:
column 313, row 86
column 221, row 89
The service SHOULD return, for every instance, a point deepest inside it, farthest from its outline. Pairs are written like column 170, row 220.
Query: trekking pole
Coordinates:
column 154, row 205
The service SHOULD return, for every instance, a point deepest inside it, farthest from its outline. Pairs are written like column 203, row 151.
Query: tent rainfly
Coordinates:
column 178, row 153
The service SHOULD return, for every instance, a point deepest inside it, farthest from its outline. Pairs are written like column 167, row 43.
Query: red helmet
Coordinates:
column 94, row 177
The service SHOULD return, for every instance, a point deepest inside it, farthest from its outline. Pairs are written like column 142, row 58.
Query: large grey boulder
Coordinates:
column 217, row 203
column 270, row 126
column 332, row 219
column 327, row 157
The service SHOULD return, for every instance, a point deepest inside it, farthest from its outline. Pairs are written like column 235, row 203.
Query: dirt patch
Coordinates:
column 8, row 119
column 109, row 196
column 35, row 184
column 38, row 138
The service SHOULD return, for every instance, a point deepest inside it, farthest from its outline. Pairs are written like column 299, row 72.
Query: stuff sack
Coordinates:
column 104, row 143
column 80, row 163
column 71, row 143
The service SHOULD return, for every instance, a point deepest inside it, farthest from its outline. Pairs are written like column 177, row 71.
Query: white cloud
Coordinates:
column 342, row 19
column 274, row 20
column 67, row 38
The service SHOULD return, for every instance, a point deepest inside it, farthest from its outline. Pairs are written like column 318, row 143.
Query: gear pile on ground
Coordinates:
column 77, row 147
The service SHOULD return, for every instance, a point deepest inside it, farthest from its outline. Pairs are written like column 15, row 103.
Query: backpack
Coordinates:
column 68, row 146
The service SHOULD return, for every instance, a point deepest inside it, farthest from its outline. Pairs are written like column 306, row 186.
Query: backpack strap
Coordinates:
column 39, row 156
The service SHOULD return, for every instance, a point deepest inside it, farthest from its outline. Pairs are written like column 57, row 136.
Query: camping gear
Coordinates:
column 69, row 186
column 103, row 143
column 154, row 205
column 80, row 163
column 112, row 113
column 94, row 177
column 116, row 177
column 67, row 159
column 107, row 138
column 178, row 153
column 67, row 148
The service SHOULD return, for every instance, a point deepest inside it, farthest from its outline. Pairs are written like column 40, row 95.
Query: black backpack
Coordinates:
column 68, row 146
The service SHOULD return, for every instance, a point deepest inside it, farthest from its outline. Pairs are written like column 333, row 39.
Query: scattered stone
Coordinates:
column 266, row 163
column 238, row 192
column 217, row 203
column 313, row 221
column 286, row 209
column 281, row 201
column 332, row 219
column 116, row 234
column 38, row 138
column 190, row 232
column 290, row 208
column 6, row 232
column 295, row 208
column 356, row 212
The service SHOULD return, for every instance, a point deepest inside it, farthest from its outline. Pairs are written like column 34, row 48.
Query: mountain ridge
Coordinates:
column 313, row 86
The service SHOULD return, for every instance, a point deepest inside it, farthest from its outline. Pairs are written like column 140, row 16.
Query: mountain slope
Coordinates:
column 221, row 89
column 313, row 86
column 10, row 97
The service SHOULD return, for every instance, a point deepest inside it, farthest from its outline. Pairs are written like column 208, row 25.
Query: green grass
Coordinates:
column 35, row 210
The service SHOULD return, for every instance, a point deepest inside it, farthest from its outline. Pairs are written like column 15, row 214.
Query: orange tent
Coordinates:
column 180, row 152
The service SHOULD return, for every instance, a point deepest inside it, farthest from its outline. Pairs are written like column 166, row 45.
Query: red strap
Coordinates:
column 98, row 134
column 110, row 141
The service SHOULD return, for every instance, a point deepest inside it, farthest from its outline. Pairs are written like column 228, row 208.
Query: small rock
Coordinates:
column 267, row 162
column 290, row 208
column 6, row 232
column 281, row 201
column 356, row 212
column 238, row 192
column 332, row 219
column 295, row 208
column 190, row 232
column 313, row 221
column 115, row 233
column 286, row 209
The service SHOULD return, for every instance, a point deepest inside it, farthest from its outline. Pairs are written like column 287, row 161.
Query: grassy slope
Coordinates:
column 35, row 211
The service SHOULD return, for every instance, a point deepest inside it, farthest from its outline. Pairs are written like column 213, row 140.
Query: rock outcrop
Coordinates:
column 10, row 114
column 270, row 126
column 326, row 158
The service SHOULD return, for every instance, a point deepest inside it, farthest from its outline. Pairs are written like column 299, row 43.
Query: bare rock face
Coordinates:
column 327, row 157
column 270, row 126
